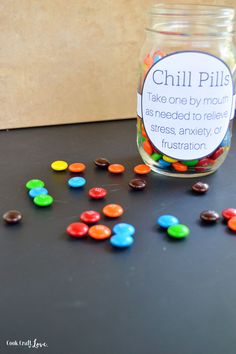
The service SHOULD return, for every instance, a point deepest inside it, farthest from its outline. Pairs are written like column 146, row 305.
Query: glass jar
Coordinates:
column 186, row 97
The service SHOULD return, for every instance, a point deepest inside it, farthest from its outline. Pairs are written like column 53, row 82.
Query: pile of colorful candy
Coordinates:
column 173, row 226
column 39, row 193
column 167, row 163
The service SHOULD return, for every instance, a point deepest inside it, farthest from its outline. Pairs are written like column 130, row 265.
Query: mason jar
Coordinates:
column 186, row 89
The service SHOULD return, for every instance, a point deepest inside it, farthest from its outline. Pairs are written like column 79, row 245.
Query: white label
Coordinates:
column 187, row 103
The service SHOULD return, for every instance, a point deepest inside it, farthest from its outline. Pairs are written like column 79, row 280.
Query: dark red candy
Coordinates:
column 209, row 216
column 90, row 216
column 12, row 217
column 77, row 229
column 204, row 164
column 228, row 213
column 217, row 153
column 200, row 187
column 102, row 162
column 137, row 183
column 97, row 193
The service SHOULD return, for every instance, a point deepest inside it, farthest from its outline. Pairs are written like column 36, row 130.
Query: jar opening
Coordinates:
column 192, row 19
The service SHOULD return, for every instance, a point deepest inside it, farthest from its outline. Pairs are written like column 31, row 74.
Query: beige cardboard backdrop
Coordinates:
column 64, row 61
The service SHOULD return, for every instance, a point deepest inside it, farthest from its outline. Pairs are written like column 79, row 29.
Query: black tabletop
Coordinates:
column 82, row 296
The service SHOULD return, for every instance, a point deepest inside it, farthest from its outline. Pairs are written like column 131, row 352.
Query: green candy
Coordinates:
column 143, row 139
column 43, row 200
column 34, row 183
column 178, row 231
column 190, row 163
column 155, row 156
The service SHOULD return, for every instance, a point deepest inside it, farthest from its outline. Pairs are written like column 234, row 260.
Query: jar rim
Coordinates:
column 182, row 9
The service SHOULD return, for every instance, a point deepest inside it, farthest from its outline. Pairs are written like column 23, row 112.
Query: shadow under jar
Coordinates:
column 186, row 89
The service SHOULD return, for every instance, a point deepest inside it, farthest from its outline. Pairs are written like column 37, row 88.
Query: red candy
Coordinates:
column 90, row 216
column 204, row 164
column 228, row 213
column 217, row 153
column 77, row 229
column 97, row 193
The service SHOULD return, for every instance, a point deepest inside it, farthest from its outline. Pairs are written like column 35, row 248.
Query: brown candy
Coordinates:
column 137, row 183
column 209, row 216
column 200, row 187
column 12, row 217
column 102, row 162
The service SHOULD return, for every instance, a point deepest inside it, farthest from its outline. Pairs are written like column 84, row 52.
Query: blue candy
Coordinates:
column 226, row 140
column 123, row 228
column 34, row 192
column 166, row 221
column 157, row 58
column 76, row 182
column 163, row 164
column 121, row 240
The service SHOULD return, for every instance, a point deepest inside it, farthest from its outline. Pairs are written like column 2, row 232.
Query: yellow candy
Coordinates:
column 59, row 165
column 169, row 159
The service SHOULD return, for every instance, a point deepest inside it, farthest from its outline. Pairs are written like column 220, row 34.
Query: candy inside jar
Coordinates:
column 186, row 91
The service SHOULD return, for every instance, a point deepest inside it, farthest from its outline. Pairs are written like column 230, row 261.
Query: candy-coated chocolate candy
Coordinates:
column 157, row 58
column 12, row 217
column 168, row 159
column 77, row 167
column 228, row 213
column 232, row 223
column 34, row 183
column 142, row 169
column 121, row 240
column 209, row 216
column 178, row 166
column 99, row 232
column 159, row 53
column 102, row 162
column 155, row 156
column 148, row 60
column 144, row 134
column 204, row 164
column 90, row 216
column 77, row 229
column 190, row 163
column 97, row 193
column 113, row 210
column 217, row 153
column 226, row 141
column 137, row 184
column 147, row 147
column 163, row 164
column 200, row 187
column 37, row 191
column 123, row 228
column 76, row 182
column 59, row 165
column 116, row 168
column 178, row 231
column 43, row 200
column 166, row 221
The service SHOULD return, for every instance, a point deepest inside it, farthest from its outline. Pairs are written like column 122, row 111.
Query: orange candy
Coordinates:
column 77, row 167
column 99, row 232
column 113, row 210
column 144, row 133
column 147, row 147
column 232, row 223
column 142, row 169
column 178, row 166
column 116, row 168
